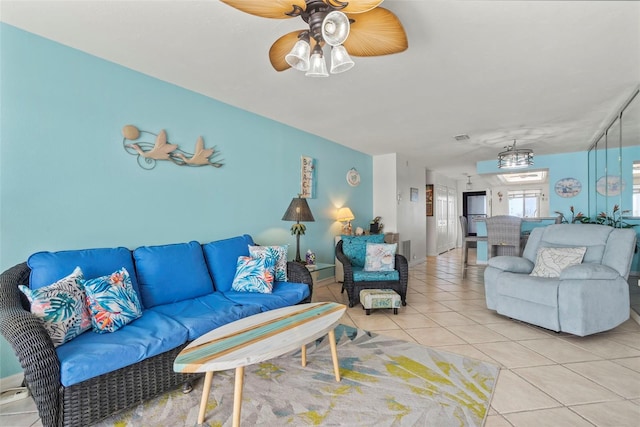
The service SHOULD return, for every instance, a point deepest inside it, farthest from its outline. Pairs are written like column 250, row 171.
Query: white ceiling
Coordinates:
column 547, row 73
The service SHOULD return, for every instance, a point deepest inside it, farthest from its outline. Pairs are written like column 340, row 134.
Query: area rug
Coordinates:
column 385, row 382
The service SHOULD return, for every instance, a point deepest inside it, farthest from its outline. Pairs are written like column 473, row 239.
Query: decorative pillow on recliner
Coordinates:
column 62, row 307
column 551, row 261
column 278, row 255
column 380, row 257
column 112, row 301
column 253, row 275
column 355, row 247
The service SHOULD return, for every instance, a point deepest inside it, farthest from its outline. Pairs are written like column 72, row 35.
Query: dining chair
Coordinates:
column 466, row 239
column 504, row 236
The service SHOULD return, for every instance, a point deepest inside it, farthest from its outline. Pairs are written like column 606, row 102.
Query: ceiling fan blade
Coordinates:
column 376, row 32
column 266, row 9
column 359, row 6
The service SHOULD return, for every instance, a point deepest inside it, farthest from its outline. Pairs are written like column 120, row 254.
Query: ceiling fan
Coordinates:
column 356, row 27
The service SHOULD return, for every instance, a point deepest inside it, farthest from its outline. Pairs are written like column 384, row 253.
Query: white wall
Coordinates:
column 394, row 175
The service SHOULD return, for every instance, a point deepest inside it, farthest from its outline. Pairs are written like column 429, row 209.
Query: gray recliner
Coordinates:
column 587, row 298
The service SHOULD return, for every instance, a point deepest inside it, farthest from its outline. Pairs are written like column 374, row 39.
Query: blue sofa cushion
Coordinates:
column 91, row 354
column 284, row 294
column 49, row 267
column 355, row 247
column 172, row 273
column 222, row 257
column 359, row 275
column 203, row 314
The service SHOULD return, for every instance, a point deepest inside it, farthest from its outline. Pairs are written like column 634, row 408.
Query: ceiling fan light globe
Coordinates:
column 340, row 60
column 335, row 28
column 317, row 66
column 298, row 58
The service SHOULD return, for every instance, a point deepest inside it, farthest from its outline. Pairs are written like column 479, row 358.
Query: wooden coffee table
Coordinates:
column 258, row 338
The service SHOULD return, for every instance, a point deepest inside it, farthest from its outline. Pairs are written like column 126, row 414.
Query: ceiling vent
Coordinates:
column 461, row 137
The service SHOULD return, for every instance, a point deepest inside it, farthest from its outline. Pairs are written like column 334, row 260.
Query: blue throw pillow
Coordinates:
column 62, row 307
column 355, row 247
column 222, row 256
column 254, row 275
column 278, row 255
column 112, row 301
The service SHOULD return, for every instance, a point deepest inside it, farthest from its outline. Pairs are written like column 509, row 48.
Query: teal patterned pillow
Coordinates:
column 112, row 301
column 278, row 255
column 355, row 247
column 254, row 275
column 380, row 257
column 62, row 307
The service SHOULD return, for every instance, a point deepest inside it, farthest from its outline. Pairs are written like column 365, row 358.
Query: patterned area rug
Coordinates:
column 385, row 382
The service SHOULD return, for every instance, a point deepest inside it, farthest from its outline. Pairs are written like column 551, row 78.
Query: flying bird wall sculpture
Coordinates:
column 150, row 152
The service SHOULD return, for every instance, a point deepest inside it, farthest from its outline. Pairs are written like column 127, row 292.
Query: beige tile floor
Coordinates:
column 547, row 379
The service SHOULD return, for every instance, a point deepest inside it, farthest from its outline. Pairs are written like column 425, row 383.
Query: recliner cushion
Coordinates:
column 540, row 290
column 172, row 273
column 355, row 247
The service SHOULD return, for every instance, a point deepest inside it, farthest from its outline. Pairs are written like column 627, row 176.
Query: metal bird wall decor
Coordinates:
column 149, row 153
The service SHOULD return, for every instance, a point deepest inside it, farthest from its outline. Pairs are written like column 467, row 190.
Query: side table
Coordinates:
column 316, row 268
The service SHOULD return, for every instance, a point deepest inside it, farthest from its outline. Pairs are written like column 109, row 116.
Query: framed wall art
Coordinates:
column 429, row 194
column 307, row 177
column 413, row 194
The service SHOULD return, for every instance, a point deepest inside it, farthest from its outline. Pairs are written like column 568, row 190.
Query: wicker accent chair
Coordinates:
column 504, row 236
column 88, row 402
column 353, row 287
column 466, row 239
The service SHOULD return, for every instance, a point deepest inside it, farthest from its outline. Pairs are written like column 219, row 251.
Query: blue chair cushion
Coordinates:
column 172, row 273
column 203, row 314
column 359, row 275
column 222, row 258
column 49, row 267
column 355, row 247
column 284, row 294
column 90, row 354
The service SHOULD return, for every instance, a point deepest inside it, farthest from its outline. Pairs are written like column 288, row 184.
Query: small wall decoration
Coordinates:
column 568, row 187
column 307, row 177
column 413, row 194
column 429, row 194
column 610, row 185
column 353, row 177
column 149, row 153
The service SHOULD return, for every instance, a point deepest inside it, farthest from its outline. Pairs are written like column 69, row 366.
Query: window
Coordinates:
column 524, row 203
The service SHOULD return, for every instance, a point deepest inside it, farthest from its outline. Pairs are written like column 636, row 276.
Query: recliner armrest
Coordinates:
column 589, row 271
column 511, row 264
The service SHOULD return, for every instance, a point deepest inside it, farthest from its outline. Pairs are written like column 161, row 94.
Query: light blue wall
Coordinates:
column 66, row 182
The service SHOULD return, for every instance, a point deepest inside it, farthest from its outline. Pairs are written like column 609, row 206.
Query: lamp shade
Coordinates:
column 317, row 66
column 340, row 60
column 298, row 210
column 298, row 58
column 345, row 214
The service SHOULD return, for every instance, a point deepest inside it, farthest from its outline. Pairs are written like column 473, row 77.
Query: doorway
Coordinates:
column 474, row 206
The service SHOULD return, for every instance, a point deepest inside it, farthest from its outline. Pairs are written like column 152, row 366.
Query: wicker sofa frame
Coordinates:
column 90, row 401
column 353, row 288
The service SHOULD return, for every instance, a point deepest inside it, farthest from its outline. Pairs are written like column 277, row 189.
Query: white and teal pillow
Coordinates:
column 278, row 255
column 380, row 257
column 112, row 301
column 551, row 261
column 62, row 307
column 254, row 275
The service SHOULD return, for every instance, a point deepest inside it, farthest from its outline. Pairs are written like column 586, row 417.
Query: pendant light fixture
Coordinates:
column 515, row 158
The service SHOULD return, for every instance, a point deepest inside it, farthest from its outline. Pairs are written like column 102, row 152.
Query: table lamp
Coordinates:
column 346, row 216
column 298, row 210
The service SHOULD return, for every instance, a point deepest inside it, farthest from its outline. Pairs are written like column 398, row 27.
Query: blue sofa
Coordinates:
column 586, row 298
column 185, row 291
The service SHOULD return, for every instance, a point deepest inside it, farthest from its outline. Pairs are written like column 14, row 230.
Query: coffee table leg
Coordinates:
column 334, row 354
column 304, row 355
column 205, row 396
column 237, row 396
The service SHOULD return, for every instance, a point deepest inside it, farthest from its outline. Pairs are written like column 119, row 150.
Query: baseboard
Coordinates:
column 635, row 316
column 12, row 381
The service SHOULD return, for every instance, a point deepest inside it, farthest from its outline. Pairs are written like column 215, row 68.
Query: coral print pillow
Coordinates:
column 62, row 307
column 380, row 257
column 112, row 301
column 278, row 255
column 254, row 275
column 551, row 261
